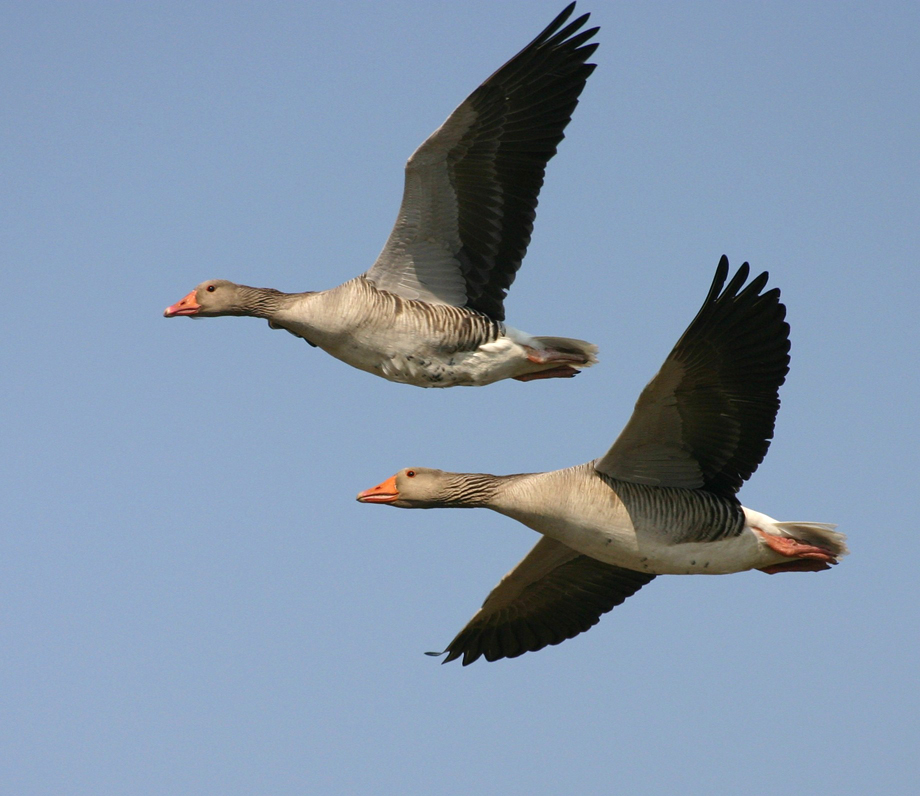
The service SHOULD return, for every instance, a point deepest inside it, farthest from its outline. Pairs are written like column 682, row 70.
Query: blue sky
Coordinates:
column 191, row 600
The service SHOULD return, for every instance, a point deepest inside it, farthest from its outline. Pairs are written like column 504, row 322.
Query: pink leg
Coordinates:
column 808, row 557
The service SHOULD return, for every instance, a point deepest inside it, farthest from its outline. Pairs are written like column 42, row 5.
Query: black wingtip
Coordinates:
column 452, row 657
column 557, row 23
column 553, row 32
column 719, row 288
column 718, row 280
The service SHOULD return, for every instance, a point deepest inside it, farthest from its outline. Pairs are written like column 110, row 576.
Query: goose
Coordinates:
column 430, row 311
column 661, row 501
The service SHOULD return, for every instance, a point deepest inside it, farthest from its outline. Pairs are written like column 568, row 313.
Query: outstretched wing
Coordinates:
column 471, row 189
column 555, row 593
column 706, row 419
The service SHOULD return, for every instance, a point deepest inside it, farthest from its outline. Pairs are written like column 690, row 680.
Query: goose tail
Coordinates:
column 807, row 546
column 583, row 351
column 819, row 534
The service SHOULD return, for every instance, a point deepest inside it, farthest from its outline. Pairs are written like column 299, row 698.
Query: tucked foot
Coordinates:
column 550, row 357
column 562, row 372
column 799, row 565
column 808, row 557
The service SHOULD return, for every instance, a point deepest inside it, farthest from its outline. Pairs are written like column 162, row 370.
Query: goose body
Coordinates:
column 414, row 342
column 430, row 311
column 638, row 526
column 661, row 501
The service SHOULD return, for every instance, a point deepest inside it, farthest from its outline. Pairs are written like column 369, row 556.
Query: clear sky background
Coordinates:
column 191, row 600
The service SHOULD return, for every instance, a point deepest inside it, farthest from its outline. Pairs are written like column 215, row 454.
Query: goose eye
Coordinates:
column 410, row 473
column 210, row 288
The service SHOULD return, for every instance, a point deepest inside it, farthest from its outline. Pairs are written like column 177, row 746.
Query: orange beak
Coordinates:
column 188, row 306
column 382, row 493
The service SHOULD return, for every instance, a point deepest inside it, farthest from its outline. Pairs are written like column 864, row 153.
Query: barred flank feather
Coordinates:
column 689, row 515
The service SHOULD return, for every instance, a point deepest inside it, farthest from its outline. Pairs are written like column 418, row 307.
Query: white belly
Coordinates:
column 403, row 357
column 615, row 541
column 500, row 359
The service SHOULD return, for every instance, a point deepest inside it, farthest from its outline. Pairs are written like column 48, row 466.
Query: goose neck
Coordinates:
column 264, row 302
column 472, row 490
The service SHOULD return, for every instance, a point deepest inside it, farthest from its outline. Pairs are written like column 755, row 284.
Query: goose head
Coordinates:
column 210, row 299
column 412, row 488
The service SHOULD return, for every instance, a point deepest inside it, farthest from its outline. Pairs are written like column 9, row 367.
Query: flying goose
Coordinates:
column 661, row 501
column 430, row 311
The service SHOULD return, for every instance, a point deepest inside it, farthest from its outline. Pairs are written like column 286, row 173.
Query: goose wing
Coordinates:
column 706, row 419
column 471, row 189
column 555, row 593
